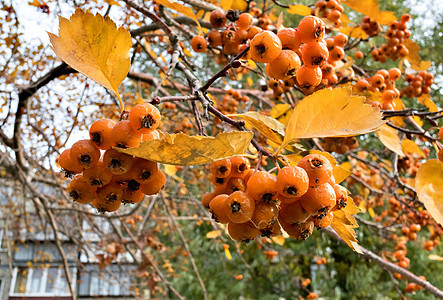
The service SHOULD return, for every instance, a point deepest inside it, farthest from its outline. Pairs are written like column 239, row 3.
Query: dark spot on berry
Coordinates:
column 115, row 163
column 146, row 175
column 74, row 195
column 112, row 198
column 133, row 185
column 96, row 138
column 243, row 167
column 148, row 121
column 223, row 169
column 96, row 181
column 316, row 163
column 305, row 234
column 85, row 159
column 267, row 197
column 291, row 190
column 219, row 180
column 235, row 207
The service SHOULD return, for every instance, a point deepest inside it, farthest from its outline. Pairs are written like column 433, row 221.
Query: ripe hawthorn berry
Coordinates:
column 325, row 221
column 308, row 77
column 69, row 166
column 144, row 118
column 265, row 47
column 217, row 207
column 199, row 43
column 217, row 18
column 80, row 191
column 315, row 54
column 117, row 162
column 239, row 166
column 262, row 186
column 319, row 200
column 143, row 170
column 124, row 136
column 98, row 175
column 311, row 28
column 100, row 133
column 240, row 207
column 215, row 38
column 318, row 168
column 221, row 168
column 244, row 21
column 244, row 232
column 293, row 212
column 285, row 66
column 341, row 194
column 292, row 182
column 265, row 215
column 85, row 153
column 290, row 39
column 271, row 231
column 132, row 197
column 154, row 186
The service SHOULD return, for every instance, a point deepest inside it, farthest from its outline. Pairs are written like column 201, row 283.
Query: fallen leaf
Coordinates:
column 299, row 9
column 184, row 150
column 95, row 47
column 332, row 113
column 269, row 127
column 389, row 137
column 370, row 8
column 429, row 186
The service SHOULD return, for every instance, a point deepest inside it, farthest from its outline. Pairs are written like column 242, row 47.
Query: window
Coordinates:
column 113, row 281
column 40, row 281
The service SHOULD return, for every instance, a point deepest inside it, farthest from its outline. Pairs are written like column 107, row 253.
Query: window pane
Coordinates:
column 94, row 284
column 52, row 277
column 20, row 282
column 62, row 286
column 36, row 280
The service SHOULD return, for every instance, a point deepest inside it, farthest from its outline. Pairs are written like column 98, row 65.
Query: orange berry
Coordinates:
column 231, row 48
column 244, row 232
column 98, row 175
column 265, row 215
column 289, row 38
column 69, row 165
column 336, row 54
column 144, row 118
column 358, row 55
column 377, row 80
column 341, row 196
column 309, row 77
column 440, row 155
column 152, row 135
column 80, row 191
column 318, row 168
column 240, row 207
column 262, row 186
column 215, row 38
column 155, row 185
column 362, row 85
column 315, row 54
column 271, row 231
column 101, row 133
column 311, row 28
column 440, row 133
column 217, row 18
column 292, row 182
column 394, row 74
column 319, row 199
column 245, row 21
column 253, row 31
column 109, row 197
column 265, row 47
column 85, row 153
column 325, row 221
column 340, row 40
column 132, row 197
column 117, row 162
column 299, row 231
column 217, row 207
column 198, row 43
column 221, row 168
column 312, row 296
column 143, row 170
column 124, row 136
column 285, row 65
column 388, row 96
column 206, row 199
column 241, row 36
column 414, row 228
column 239, row 166
column 293, row 213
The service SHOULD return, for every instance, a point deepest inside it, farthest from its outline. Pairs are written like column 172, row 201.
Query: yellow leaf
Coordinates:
column 239, row 5
column 344, row 223
column 429, row 186
column 269, row 127
column 414, row 58
column 389, row 137
column 332, row 112
column 94, row 47
column 299, row 9
column 370, row 8
column 354, row 32
column 371, row 212
column 344, row 19
column 281, row 112
column 181, row 149
column 249, row 81
column 112, row 2
column 435, row 257
column 213, row 234
column 411, row 147
column 187, row 11
column 37, row 3
column 340, row 173
column 418, row 120
column 226, row 4
column 228, row 254
column 425, row 100
column 279, row 240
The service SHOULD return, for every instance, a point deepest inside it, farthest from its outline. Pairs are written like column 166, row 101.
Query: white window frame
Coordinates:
column 42, row 291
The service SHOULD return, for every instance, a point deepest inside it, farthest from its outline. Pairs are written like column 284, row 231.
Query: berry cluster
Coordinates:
column 418, row 84
column 336, row 50
column 110, row 178
column 440, row 152
column 298, row 199
column 394, row 48
column 383, row 81
column 279, row 87
column 231, row 101
column 340, row 145
column 370, row 27
column 331, row 10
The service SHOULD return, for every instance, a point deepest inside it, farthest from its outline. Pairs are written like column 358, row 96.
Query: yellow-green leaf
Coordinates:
column 228, row 254
column 184, row 150
column 187, row 11
column 389, row 137
column 269, row 127
column 332, row 112
column 299, row 9
column 414, row 58
column 370, row 8
column 95, row 47
column 411, row 147
column 429, row 186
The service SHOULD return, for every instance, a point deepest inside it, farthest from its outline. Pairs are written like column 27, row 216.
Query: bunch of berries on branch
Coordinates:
column 105, row 177
column 298, row 199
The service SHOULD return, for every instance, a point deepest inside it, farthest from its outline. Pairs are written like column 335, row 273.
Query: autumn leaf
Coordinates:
column 187, row 11
column 213, row 234
column 233, row 4
column 354, row 32
column 410, row 147
column 332, row 113
column 344, row 223
column 269, row 127
column 95, row 47
column 370, row 8
column 281, row 112
column 429, row 186
column 414, row 58
column 389, row 137
column 425, row 100
column 184, row 150
column 299, row 9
